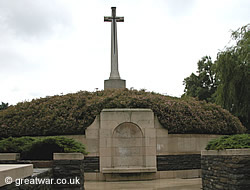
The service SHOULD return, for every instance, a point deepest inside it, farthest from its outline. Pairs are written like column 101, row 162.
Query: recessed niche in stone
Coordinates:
column 127, row 146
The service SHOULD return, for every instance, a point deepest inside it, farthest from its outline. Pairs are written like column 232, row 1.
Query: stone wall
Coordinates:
column 91, row 164
column 36, row 163
column 178, row 162
column 172, row 144
column 170, row 152
column 69, row 167
column 127, row 144
column 228, row 169
column 176, row 155
column 166, row 144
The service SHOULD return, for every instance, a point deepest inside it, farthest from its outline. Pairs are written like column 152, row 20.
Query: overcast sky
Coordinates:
column 50, row 47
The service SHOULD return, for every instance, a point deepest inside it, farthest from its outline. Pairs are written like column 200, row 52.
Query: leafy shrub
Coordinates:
column 16, row 144
column 229, row 142
column 35, row 148
column 73, row 113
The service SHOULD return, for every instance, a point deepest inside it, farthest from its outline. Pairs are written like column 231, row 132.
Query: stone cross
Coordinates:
column 114, row 47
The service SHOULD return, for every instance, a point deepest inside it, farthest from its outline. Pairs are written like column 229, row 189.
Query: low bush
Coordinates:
column 229, row 142
column 40, row 148
column 16, row 145
column 73, row 113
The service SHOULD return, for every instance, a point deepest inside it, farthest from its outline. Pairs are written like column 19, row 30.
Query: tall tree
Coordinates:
column 227, row 80
column 233, row 72
column 203, row 85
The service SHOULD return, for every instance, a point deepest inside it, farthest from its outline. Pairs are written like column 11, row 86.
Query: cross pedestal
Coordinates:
column 114, row 80
column 114, row 83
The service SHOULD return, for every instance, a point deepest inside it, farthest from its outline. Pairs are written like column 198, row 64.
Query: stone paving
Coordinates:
column 160, row 184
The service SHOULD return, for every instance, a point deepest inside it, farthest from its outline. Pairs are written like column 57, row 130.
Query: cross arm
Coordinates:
column 108, row 19
column 117, row 19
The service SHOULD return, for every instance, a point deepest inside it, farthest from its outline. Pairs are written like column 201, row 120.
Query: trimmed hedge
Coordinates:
column 73, row 113
column 40, row 148
column 229, row 142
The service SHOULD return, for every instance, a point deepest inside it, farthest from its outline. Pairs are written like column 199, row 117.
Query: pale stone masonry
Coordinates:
column 114, row 80
column 13, row 172
column 68, row 156
column 126, row 141
column 127, row 144
column 9, row 156
column 131, row 144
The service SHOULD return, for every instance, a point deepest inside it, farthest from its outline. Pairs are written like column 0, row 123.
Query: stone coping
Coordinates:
column 127, row 110
column 40, row 172
column 130, row 170
column 9, row 156
column 68, row 156
column 177, row 153
column 193, row 135
column 14, row 171
column 227, row 152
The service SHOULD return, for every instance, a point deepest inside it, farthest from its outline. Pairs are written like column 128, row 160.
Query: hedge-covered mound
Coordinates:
column 72, row 113
column 229, row 142
column 40, row 148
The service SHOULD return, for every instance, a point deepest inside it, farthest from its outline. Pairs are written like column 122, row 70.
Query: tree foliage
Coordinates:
column 233, row 70
column 203, row 85
column 227, row 80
